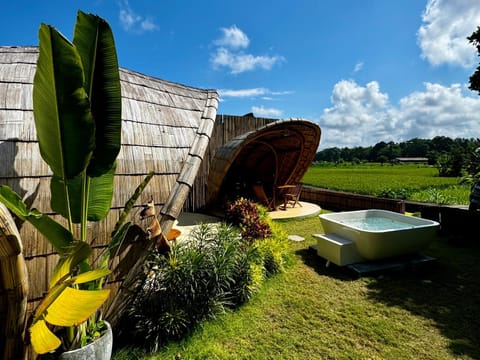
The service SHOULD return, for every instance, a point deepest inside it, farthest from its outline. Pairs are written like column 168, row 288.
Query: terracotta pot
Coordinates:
column 100, row 349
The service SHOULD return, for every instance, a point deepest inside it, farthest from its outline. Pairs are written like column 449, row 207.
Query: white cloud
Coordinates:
column 446, row 25
column 233, row 38
column 358, row 67
column 266, row 112
column 148, row 25
column 243, row 92
column 252, row 93
column 240, row 62
column 440, row 110
column 358, row 115
column 132, row 22
column 228, row 53
column 363, row 116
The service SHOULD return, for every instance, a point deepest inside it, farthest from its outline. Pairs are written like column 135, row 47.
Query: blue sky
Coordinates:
column 365, row 71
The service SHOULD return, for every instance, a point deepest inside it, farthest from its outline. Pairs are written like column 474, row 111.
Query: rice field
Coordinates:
column 410, row 182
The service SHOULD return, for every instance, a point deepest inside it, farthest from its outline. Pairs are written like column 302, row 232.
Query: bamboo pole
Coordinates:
column 14, row 281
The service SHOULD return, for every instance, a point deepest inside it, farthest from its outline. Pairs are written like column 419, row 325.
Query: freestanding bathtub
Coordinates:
column 372, row 235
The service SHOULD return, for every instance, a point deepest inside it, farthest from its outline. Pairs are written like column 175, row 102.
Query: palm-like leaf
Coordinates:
column 102, row 83
column 79, row 251
column 42, row 338
column 99, row 196
column 56, row 234
column 63, row 120
column 69, row 307
column 75, row 306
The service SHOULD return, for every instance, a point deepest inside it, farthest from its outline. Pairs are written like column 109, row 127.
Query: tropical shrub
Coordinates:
column 201, row 277
column 274, row 250
column 249, row 218
column 214, row 270
column 255, row 225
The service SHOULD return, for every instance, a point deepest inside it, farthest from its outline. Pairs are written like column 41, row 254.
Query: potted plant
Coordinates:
column 77, row 110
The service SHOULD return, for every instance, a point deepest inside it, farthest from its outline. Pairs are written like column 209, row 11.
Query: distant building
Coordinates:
column 411, row 160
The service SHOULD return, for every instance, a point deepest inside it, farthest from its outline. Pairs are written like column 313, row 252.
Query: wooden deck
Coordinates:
column 306, row 210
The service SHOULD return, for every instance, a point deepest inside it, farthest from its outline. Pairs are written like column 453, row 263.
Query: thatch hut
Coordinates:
column 166, row 128
column 276, row 154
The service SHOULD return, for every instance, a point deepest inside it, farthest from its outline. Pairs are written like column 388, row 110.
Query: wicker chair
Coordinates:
column 292, row 196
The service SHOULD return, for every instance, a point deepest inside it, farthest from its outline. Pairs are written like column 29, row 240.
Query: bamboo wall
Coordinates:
column 226, row 128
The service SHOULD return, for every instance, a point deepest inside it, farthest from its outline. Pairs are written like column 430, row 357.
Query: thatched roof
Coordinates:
column 276, row 154
column 166, row 128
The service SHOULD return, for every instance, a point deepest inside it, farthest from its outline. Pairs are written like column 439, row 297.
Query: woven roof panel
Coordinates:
column 163, row 123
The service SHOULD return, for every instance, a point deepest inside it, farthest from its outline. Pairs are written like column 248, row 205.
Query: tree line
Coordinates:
column 452, row 157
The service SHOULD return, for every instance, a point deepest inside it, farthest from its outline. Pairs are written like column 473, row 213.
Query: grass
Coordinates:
column 314, row 312
column 413, row 182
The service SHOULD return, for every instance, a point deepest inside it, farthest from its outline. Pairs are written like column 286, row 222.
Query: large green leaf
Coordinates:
column 55, row 233
column 100, row 192
column 63, row 120
column 100, row 195
column 94, row 41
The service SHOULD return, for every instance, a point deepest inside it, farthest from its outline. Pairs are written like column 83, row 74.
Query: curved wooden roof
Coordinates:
column 276, row 154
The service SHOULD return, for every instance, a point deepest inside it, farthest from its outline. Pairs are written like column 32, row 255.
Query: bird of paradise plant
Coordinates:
column 77, row 110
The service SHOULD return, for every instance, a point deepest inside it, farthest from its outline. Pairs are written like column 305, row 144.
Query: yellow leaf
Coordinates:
column 74, row 255
column 91, row 275
column 43, row 340
column 73, row 306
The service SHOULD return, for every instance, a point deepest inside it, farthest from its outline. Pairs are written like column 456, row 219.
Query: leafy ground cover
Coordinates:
column 411, row 182
column 315, row 312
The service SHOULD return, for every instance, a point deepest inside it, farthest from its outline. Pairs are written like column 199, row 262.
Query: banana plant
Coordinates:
column 77, row 111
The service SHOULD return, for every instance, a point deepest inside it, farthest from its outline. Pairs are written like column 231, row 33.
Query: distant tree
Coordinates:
column 415, row 148
column 330, row 155
column 390, row 151
column 475, row 78
column 441, row 144
column 376, row 151
column 382, row 159
column 451, row 156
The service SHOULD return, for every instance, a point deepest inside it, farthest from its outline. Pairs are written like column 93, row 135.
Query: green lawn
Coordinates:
column 412, row 182
column 315, row 312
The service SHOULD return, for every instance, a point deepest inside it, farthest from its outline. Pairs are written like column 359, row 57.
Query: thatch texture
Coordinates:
column 166, row 128
column 277, row 154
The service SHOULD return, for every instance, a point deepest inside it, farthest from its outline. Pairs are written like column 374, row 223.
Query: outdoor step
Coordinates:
column 337, row 249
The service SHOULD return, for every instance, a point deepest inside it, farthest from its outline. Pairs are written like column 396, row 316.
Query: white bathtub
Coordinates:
column 379, row 234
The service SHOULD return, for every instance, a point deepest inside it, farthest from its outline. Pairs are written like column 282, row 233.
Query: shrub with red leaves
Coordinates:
column 244, row 214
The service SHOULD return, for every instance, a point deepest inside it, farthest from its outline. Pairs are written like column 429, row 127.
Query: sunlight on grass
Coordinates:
column 315, row 312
